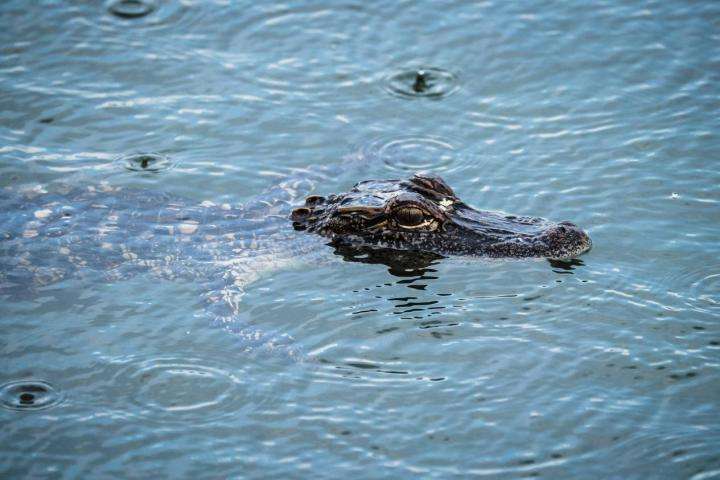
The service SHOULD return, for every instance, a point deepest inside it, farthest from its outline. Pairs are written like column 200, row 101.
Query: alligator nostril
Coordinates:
column 299, row 213
column 561, row 229
column 313, row 200
column 568, row 224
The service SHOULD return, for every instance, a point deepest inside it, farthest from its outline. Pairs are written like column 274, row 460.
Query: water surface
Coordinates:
column 603, row 114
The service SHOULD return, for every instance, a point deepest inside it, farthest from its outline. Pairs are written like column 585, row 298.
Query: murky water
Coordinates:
column 605, row 114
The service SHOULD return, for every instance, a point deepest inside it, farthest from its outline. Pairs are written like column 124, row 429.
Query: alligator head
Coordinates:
column 424, row 214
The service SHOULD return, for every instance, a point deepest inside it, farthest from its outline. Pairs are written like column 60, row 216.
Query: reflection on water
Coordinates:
column 413, row 268
column 566, row 266
column 400, row 263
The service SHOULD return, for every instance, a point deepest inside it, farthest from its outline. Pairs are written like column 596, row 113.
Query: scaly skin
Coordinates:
column 423, row 214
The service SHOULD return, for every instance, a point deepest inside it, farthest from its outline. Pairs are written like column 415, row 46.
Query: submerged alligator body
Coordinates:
column 106, row 233
column 102, row 233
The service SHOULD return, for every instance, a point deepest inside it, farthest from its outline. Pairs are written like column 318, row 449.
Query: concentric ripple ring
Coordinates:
column 146, row 162
column 131, row 8
column 415, row 153
column 423, row 82
column 29, row 395
column 176, row 390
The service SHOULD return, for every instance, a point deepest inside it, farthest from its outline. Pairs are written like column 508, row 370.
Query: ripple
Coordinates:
column 413, row 153
column 707, row 291
column 29, row 395
column 310, row 51
column 131, row 8
column 146, row 162
column 148, row 14
column 698, row 288
column 424, row 82
column 181, row 389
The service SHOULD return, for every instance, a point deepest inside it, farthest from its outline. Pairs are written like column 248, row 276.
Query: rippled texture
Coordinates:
column 604, row 114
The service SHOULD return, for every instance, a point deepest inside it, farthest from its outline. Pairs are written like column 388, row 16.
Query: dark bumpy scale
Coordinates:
column 424, row 214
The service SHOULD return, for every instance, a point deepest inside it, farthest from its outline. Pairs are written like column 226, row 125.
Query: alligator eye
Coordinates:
column 410, row 216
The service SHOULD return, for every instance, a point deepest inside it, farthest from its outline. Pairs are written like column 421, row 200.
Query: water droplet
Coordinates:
column 422, row 82
column 131, row 8
column 28, row 395
column 146, row 162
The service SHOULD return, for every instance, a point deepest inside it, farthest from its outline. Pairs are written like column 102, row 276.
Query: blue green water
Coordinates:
column 605, row 114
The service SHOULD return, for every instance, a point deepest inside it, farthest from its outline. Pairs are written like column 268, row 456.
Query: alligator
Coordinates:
column 110, row 233
column 423, row 214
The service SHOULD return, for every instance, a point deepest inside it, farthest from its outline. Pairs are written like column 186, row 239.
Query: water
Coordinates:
column 604, row 114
